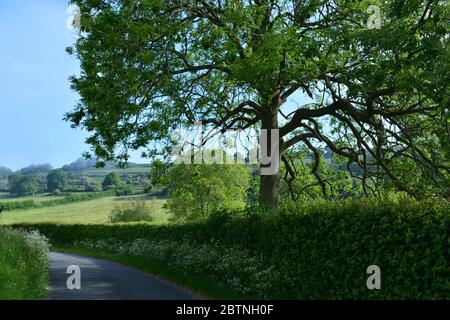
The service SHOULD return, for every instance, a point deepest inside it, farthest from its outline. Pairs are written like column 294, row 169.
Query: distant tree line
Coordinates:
column 40, row 178
column 5, row 172
column 58, row 181
column 85, row 164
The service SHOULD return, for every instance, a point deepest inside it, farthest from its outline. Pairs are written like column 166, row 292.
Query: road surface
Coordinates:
column 104, row 280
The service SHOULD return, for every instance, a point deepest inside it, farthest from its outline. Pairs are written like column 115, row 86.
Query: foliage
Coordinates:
column 23, row 265
column 5, row 172
column 320, row 249
column 112, row 180
column 325, row 178
column 57, row 179
column 80, row 164
column 36, row 168
column 235, row 268
column 22, row 185
column 124, row 189
column 93, row 187
column 197, row 190
column 132, row 211
column 377, row 97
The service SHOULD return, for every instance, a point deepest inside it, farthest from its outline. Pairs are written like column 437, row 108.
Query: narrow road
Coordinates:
column 104, row 280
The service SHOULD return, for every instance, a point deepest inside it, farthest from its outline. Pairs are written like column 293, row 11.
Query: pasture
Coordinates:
column 87, row 212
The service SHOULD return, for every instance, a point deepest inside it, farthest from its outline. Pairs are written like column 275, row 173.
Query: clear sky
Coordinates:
column 34, row 86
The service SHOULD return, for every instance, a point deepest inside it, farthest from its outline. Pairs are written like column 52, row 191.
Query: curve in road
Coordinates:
column 105, row 280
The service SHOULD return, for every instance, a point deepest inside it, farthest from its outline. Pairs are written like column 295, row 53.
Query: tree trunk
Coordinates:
column 269, row 187
column 269, row 191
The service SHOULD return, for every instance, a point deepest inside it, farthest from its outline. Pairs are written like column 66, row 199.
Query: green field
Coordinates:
column 88, row 212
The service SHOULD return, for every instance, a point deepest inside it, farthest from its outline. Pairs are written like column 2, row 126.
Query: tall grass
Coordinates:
column 23, row 265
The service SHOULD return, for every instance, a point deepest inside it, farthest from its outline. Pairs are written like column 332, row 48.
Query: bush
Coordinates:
column 133, row 211
column 124, row 190
column 197, row 190
column 18, row 205
column 94, row 187
column 320, row 250
column 23, row 265
column 111, row 181
column 57, row 180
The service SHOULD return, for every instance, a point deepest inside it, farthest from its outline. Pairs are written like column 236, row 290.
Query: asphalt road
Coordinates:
column 104, row 280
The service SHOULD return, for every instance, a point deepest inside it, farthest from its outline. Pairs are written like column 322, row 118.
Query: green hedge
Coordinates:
column 322, row 250
column 30, row 204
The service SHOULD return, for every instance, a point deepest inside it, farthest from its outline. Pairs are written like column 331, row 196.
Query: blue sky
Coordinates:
column 34, row 86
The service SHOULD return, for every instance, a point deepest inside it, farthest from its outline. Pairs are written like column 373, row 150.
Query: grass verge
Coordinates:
column 202, row 286
column 23, row 265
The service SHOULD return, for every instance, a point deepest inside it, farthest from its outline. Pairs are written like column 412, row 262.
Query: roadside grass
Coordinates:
column 23, row 266
column 87, row 212
column 202, row 286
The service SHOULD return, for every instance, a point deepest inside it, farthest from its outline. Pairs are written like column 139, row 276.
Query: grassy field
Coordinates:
column 88, row 212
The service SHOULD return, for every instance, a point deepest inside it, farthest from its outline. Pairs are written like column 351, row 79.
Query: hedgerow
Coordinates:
column 319, row 250
column 30, row 204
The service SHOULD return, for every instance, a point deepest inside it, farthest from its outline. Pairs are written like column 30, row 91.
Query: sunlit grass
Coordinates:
column 88, row 212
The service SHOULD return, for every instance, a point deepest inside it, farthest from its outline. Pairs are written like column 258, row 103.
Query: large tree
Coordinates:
column 23, row 185
column 112, row 180
column 57, row 180
column 377, row 97
column 197, row 190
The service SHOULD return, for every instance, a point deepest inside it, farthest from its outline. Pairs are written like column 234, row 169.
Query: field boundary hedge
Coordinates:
column 31, row 204
column 321, row 250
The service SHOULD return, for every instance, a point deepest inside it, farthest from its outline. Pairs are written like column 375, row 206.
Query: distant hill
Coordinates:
column 87, row 164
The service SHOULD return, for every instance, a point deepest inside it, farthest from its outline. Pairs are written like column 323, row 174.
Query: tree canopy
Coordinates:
column 57, row 180
column 36, row 168
column 4, row 172
column 22, row 185
column 197, row 190
column 376, row 97
column 111, row 180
